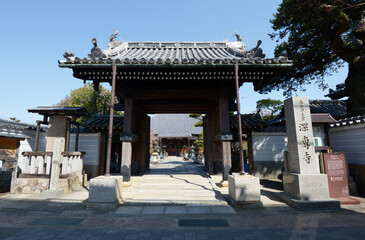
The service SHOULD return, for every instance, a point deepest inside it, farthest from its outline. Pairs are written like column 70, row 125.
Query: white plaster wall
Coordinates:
column 269, row 146
column 27, row 145
column 351, row 140
column 89, row 143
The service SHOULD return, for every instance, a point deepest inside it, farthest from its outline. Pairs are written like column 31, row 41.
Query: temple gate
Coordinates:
column 175, row 77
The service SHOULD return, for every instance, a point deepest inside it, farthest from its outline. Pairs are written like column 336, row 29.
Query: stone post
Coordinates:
column 53, row 192
column 125, row 169
column 303, row 180
column 127, row 138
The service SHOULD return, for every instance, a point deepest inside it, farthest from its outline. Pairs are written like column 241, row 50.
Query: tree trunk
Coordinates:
column 355, row 86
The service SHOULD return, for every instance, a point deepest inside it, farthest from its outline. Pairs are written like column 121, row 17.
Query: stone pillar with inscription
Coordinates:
column 302, row 180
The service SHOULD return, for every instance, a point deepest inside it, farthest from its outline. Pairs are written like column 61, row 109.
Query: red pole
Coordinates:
column 239, row 122
column 111, row 118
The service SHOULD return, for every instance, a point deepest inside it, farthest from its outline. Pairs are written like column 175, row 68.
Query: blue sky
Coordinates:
column 35, row 34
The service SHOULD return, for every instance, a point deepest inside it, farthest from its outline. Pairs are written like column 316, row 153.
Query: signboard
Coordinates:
column 335, row 168
column 8, row 147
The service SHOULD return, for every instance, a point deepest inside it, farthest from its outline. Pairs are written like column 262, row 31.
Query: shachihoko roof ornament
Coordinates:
column 174, row 53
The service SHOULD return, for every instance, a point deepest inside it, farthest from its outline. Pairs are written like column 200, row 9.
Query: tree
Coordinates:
column 200, row 141
column 198, row 117
column 319, row 36
column 95, row 102
column 14, row 119
column 273, row 106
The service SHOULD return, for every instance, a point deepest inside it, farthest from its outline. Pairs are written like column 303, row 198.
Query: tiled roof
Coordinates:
column 337, row 108
column 322, row 118
column 14, row 135
column 6, row 124
column 68, row 111
column 174, row 53
column 102, row 122
column 349, row 121
column 174, row 125
column 252, row 120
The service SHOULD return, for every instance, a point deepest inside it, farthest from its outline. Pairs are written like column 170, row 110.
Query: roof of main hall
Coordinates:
column 174, row 53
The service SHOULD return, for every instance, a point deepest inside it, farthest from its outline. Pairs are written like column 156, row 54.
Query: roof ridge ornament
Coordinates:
column 114, row 36
column 68, row 54
column 237, row 48
column 256, row 51
column 238, row 36
column 96, row 52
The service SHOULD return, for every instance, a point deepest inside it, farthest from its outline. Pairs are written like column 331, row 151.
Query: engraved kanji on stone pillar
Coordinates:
column 302, row 158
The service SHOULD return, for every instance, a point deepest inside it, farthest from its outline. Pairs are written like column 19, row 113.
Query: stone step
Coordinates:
column 196, row 188
column 166, row 193
column 136, row 202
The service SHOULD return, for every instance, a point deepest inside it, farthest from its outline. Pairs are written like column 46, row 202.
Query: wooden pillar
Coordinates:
column 77, row 138
column 224, row 137
column 209, row 144
column 68, row 126
column 139, row 147
column 102, row 153
column 147, row 145
column 37, row 136
column 205, row 137
column 127, row 139
column 250, row 153
column 144, row 137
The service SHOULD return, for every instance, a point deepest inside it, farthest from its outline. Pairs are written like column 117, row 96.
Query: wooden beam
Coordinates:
column 207, row 93
column 176, row 108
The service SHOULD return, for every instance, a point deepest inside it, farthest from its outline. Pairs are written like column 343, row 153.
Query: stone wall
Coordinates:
column 33, row 184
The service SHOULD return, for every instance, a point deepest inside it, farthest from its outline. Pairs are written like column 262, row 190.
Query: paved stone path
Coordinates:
column 174, row 181
column 31, row 217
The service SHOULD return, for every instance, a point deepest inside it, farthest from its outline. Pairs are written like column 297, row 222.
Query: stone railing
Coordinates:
column 36, row 162
column 72, row 162
column 40, row 163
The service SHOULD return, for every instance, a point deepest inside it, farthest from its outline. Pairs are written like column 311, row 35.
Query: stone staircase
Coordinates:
column 173, row 181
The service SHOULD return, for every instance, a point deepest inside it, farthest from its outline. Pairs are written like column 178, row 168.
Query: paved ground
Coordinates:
column 31, row 217
column 174, row 181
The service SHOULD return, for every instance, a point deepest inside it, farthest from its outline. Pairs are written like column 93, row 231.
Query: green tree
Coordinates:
column 273, row 106
column 14, row 119
column 95, row 102
column 198, row 117
column 200, row 141
column 319, row 36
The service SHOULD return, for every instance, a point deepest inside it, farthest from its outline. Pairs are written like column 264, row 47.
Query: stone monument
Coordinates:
column 304, row 186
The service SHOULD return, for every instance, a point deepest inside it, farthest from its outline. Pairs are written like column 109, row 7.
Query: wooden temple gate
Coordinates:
column 175, row 77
